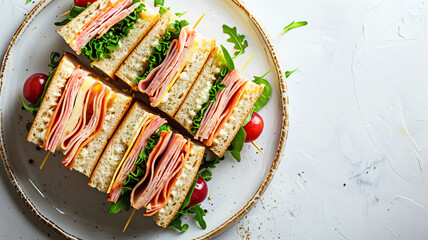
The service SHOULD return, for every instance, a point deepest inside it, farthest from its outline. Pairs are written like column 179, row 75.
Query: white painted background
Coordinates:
column 356, row 157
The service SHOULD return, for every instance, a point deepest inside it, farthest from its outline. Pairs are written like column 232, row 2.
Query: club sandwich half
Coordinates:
column 78, row 115
column 148, row 166
column 166, row 62
column 218, row 104
column 108, row 30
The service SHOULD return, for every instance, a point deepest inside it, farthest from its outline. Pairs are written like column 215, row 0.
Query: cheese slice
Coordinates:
column 142, row 126
column 77, row 108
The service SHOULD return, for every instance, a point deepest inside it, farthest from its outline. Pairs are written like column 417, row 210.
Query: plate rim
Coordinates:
column 229, row 222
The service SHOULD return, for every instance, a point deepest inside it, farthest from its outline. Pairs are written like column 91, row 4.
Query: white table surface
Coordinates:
column 356, row 156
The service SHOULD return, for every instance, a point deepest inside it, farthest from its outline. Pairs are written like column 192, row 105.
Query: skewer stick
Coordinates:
column 255, row 145
column 129, row 220
column 44, row 161
column 247, row 62
column 200, row 19
column 66, row 13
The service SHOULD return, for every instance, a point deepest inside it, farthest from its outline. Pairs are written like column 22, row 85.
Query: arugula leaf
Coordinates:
column 176, row 223
column 210, row 164
column 228, row 58
column 28, row 1
column 160, row 51
column 206, row 175
column 54, row 64
column 28, row 126
column 293, row 25
column 122, row 202
column 74, row 12
column 159, row 3
column 199, row 215
column 237, row 39
column 135, row 177
column 215, row 88
column 237, row 144
column 99, row 48
column 266, row 94
column 288, row 73
column 180, row 14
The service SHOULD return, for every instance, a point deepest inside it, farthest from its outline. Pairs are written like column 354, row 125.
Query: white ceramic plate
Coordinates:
column 62, row 199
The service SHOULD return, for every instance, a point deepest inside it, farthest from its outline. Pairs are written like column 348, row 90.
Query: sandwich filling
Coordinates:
column 160, row 79
column 134, row 164
column 64, row 110
column 218, row 112
column 163, row 167
column 103, row 21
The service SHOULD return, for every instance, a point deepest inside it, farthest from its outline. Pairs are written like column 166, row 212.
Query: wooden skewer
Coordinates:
column 66, row 13
column 200, row 19
column 129, row 220
column 44, row 161
column 247, row 62
column 255, row 145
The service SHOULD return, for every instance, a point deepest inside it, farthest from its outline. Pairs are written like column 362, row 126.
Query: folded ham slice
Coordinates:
column 163, row 166
column 218, row 112
column 158, row 80
column 102, row 22
column 89, row 125
column 161, row 198
column 65, row 107
column 128, row 165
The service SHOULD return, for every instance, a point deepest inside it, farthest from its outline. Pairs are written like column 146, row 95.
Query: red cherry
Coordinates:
column 200, row 193
column 34, row 86
column 83, row 3
column 254, row 127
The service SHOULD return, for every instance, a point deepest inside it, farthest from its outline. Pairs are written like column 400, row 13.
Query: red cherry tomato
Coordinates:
column 34, row 86
column 83, row 3
column 254, row 127
column 200, row 193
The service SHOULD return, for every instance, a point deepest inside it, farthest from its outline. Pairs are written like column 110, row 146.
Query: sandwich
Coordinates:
column 78, row 115
column 108, row 30
column 218, row 104
column 147, row 165
column 166, row 62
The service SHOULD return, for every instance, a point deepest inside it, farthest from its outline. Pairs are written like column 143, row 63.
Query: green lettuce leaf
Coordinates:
column 161, row 50
column 237, row 144
column 266, row 94
column 135, row 177
column 99, row 48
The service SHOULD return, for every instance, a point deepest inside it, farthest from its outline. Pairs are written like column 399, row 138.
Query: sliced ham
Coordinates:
column 161, row 199
column 158, row 80
column 102, row 22
column 89, row 125
column 128, row 165
column 219, row 111
column 65, row 107
column 164, row 166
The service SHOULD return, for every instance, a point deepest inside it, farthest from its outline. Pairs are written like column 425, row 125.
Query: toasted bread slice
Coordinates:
column 181, row 187
column 136, row 63
column 142, row 26
column 178, row 92
column 117, row 147
column 198, row 94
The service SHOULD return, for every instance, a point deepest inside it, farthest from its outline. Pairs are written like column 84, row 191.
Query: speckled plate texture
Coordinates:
column 61, row 198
